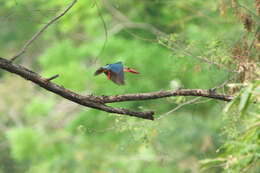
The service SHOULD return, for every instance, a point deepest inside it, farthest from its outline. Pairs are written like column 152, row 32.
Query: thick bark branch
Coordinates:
column 88, row 100
column 98, row 102
column 168, row 93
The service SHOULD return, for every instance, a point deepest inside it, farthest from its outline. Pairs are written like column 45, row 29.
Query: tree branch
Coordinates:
column 98, row 102
column 168, row 93
column 43, row 28
column 88, row 100
column 53, row 77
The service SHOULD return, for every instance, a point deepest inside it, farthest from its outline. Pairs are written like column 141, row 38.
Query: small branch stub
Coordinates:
column 85, row 100
column 53, row 77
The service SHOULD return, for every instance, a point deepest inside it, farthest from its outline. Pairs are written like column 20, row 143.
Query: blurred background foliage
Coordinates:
column 41, row 132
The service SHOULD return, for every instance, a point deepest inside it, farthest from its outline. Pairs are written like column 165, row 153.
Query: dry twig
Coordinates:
column 179, row 106
column 53, row 77
column 127, row 23
column 28, row 43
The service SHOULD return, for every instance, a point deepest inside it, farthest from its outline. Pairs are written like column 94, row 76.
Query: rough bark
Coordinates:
column 98, row 102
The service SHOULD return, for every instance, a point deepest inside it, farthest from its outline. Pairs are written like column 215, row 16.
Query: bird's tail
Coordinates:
column 99, row 71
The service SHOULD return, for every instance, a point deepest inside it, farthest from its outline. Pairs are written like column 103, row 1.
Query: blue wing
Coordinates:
column 117, row 74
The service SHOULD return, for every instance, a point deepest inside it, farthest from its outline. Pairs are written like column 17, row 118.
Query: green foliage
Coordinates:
column 39, row 107
column 245, row 97
column 24, row 142
column 241, row 153
column 50, row 134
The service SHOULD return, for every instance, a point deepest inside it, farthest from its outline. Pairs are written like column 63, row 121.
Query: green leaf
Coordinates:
column 211, row 162
column 24, row 143
column 230, row 104
column 245, row 99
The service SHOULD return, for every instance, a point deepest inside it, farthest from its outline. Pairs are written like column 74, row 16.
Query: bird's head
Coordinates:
column 127, row 69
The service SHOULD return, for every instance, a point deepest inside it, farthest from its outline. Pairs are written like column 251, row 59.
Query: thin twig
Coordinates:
column 127, row 23
column 53, row 77
column 138, row 37
column 256, row 33
column 105, row 28
column 188, row 53
column 43, row 28
column 179, row 106
column 224, row 83
column 202, row 101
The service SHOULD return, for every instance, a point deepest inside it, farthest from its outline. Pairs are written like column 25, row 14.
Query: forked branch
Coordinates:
column 98, row 102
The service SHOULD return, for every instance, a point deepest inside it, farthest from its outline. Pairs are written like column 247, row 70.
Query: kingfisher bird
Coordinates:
column 115, row 72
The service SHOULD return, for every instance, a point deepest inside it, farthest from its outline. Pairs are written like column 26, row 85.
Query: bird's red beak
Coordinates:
column 133, row 71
